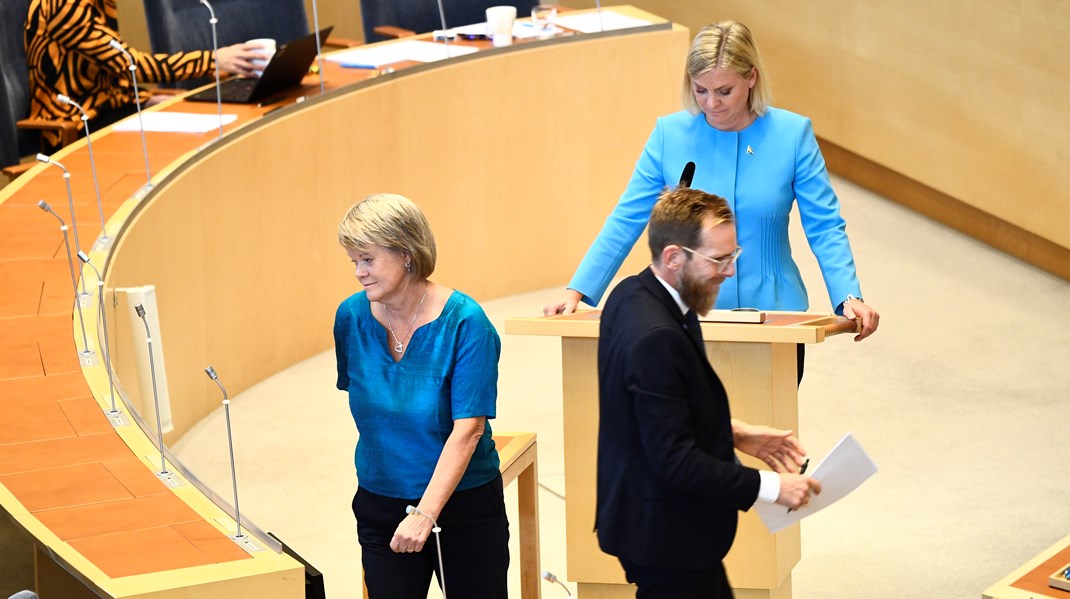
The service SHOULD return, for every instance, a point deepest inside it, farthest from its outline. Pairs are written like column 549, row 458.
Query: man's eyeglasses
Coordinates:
column 721, row 263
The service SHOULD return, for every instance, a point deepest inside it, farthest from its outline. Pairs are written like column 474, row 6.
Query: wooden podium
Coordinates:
column 757, row 363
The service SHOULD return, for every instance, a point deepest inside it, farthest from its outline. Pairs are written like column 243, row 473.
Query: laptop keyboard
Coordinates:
column 237, row 90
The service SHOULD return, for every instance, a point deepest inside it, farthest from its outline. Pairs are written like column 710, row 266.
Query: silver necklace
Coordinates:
column 399, row 347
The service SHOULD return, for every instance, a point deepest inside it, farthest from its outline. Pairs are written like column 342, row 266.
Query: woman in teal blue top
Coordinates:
column 761, row 159
column 420, row 363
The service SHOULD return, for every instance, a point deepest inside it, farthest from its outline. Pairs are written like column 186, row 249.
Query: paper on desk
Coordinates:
column 375, row 57
column 844, row 469
column 174, row 122
column 590, row 23
column 521, row 30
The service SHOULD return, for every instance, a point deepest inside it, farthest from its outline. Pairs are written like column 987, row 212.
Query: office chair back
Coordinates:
column 422, row 16
column 183, row 25
column 15, row 84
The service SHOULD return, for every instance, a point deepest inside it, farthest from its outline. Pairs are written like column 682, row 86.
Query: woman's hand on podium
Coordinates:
column 856, row 308
column 566, row 304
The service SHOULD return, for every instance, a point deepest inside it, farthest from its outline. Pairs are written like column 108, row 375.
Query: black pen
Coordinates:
column 802, row 470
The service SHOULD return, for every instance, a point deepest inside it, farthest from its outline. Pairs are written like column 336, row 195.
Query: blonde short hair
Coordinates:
column 395, row 223
column 727, row 45
column 679, row 215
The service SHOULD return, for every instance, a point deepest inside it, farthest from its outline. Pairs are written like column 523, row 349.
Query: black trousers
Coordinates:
column 475, row 546
column 662, row 583
column 800, row 351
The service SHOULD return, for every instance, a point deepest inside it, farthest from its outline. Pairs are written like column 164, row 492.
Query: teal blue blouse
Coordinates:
column 404, row 411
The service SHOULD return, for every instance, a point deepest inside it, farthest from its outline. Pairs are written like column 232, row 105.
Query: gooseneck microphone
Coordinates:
column 548, row 576
column 230, row 442
column 215, row 59
column 114, row 43
column 598, row 8
column 687, row 175
column 155, row 394
column 106, row 355
column 74, row 220
column 86, row 352
column 105, row 241
column 445, row 37
column 412, row 509
column 319, row 46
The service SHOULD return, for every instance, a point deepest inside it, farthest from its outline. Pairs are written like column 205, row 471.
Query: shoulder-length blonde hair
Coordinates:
column 395, row 223
column 727, row 45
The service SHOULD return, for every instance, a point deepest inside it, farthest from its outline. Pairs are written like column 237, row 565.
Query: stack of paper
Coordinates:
column 375, row 57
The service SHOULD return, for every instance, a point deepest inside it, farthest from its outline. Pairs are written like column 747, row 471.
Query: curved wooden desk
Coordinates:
column 516, row 155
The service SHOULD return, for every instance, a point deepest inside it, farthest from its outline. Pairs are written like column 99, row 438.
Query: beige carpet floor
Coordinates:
column 961, row 398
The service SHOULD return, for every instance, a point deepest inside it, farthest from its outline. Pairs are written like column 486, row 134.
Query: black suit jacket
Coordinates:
column 669, row 484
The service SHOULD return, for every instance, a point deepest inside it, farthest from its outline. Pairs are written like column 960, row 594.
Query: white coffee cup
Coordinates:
column 500, row 24
column 267, row 50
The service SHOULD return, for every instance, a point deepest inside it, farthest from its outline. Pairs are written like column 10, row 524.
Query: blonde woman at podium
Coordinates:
column 759, row 158
column 420, row 363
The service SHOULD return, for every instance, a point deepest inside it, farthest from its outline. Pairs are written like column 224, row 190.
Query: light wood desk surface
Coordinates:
column 1031, row 580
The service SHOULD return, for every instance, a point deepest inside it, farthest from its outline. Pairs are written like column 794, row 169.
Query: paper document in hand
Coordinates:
column 844, row 469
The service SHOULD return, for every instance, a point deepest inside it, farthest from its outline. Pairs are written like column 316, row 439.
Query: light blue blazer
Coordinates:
column 760, row 171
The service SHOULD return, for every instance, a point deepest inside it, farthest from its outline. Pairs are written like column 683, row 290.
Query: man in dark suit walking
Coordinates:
column 669, row 484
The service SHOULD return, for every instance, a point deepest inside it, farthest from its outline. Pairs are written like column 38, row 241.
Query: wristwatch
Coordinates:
column 851, row 298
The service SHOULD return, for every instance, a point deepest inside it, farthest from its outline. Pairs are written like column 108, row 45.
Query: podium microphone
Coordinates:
column 114, row 43
column 230, row 442
column 155, row 395
column 86, row 352
column 598, row 8
column 412, row 509
column 74, row 221
column 106, row 355
column 688, row 175
column 215, row 59
column 104, row 241
column 319, row 46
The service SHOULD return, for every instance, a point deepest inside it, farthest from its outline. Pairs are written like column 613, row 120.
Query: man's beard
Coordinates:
column 697, row 294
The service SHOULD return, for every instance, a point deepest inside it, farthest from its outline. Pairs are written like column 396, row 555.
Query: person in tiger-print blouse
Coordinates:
column 68, row 52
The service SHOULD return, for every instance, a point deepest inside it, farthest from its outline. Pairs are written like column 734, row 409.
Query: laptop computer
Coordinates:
column 285, row 70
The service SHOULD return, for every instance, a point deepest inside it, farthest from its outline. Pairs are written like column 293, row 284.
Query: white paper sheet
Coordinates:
column 521, row 30
column 373, row 58
column 590, row 23
column 844, row 469
column 174, row 122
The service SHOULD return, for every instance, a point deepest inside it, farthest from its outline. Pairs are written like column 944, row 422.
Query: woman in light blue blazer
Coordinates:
column 759, row 158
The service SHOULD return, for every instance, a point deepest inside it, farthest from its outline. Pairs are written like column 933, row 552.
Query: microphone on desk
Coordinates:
column 84, row 295
column 106, row 355
column 548, row 576
column 412, row 509
column 114, row 43
column 445, row 30
column 230, row 443
column 598, row 8
column 687, row 175
column 104, row 240
column 319, row 46
column 215, row 59
column 43, row 205
column 140, row 310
